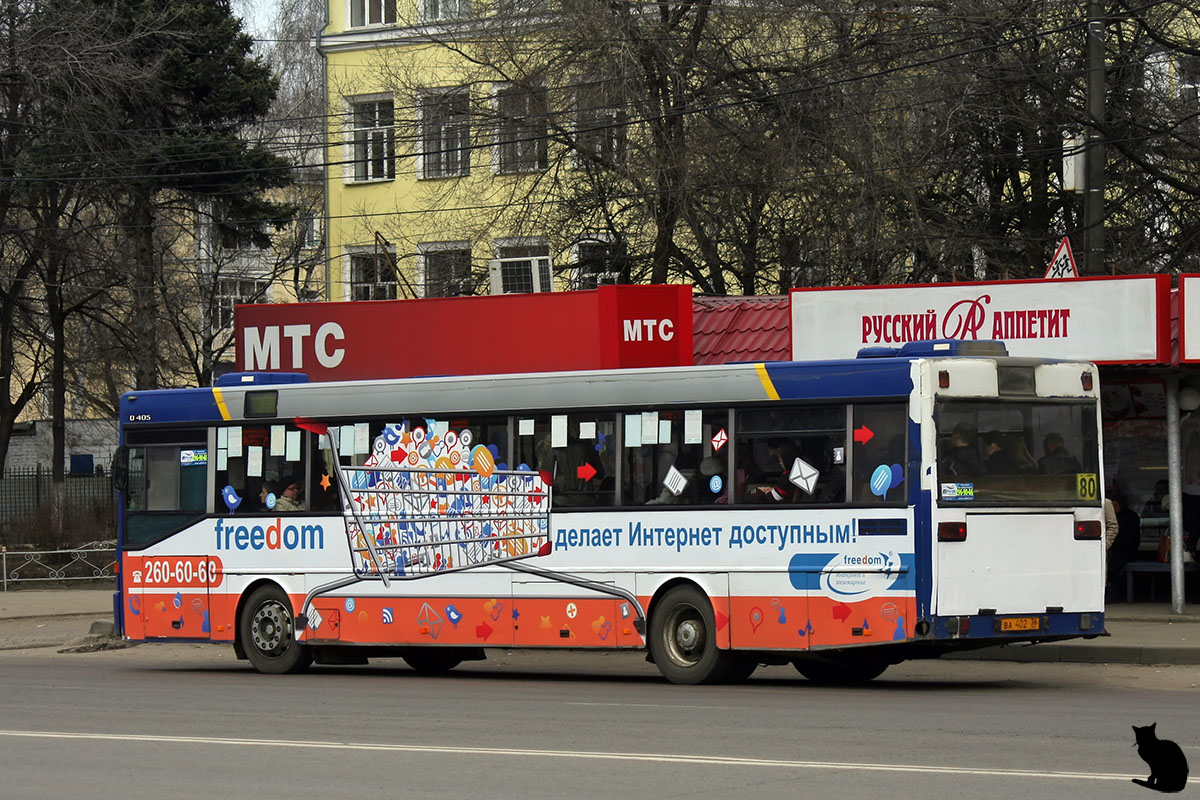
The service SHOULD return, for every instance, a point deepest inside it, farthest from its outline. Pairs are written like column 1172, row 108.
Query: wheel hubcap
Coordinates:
column 686, row 637
column 271, row 629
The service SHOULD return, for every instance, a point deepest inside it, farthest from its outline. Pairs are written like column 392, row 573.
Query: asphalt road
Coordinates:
column 189, row 721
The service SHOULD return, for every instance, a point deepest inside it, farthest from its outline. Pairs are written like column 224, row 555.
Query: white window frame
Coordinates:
column 577, row 275
column 431, row 163
column 351, row 283
column 388, row 141
column 246, row 291
column 425, row 249
column 370, row 12
column 514, row 133
column 444, row 10
column 587, row 127
column 540, row 267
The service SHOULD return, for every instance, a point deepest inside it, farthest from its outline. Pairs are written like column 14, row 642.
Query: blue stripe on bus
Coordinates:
column 837, row 379
column 169, row 405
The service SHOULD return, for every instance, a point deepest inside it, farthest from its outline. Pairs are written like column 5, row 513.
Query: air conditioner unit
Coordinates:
column 520, row 275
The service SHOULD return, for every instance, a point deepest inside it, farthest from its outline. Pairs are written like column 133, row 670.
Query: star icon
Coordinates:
column 325, row 483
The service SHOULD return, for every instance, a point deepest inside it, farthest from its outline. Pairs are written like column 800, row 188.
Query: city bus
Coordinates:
column 840, row 516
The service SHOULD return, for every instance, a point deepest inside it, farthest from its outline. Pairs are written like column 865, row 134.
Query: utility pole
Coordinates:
column 1093, row 199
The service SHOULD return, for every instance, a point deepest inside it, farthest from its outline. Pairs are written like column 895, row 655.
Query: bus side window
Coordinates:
column 576, row 450
column 257, row 459
column 879, row 454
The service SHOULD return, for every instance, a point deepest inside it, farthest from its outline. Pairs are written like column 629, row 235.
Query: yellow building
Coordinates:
column 437, row 175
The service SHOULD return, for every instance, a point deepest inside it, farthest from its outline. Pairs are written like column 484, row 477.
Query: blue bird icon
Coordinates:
column 230, row 496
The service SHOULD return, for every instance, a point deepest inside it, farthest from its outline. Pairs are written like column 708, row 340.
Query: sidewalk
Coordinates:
column 1139, row 633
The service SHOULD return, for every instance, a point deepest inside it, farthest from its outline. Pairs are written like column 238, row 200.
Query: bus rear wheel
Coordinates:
column 432, row 660
column 683, row 639
column 843, row 671
column 268, row 634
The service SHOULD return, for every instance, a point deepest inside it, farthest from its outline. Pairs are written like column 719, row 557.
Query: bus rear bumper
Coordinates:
column 986, row 630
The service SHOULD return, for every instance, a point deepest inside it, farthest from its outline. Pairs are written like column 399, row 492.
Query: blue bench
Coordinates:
column 1152, row 567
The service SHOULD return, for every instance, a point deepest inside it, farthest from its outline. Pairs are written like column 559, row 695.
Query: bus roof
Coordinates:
column 866, row 378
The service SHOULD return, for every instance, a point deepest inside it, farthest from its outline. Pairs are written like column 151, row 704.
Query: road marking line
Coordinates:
column 575, row 754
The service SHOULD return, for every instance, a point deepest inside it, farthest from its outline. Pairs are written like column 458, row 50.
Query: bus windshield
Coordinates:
column 1008, row 452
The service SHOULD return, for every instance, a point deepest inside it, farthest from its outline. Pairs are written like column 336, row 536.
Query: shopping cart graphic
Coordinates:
column 426, row 502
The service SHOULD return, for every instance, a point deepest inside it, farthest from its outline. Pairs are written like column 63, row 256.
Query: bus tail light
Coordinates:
column 952, row 531
column 944, row 379
column 1087, row 381
column 1088, row 529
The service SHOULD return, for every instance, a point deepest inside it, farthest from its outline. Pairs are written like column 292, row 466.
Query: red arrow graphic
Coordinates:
column 585, row 471
column 841, row 612
column 863, row 435
column 483, row 630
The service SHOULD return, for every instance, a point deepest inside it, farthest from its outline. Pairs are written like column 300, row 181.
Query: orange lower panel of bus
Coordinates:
column 798, row 623
column 476, row 621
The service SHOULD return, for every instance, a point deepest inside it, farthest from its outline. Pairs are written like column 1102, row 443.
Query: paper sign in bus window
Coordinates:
column 558, row 430
column 362, row 439
column 587, row 430
column 692, row 428
column 277, row 440
column 235, row 442
column 633, row 430
column 664, row 431
column 254, row 462
column 292, row 447
column 525, row 427
column 649, row 427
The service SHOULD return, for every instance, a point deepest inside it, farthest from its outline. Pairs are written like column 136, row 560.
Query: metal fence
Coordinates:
column 25, row 491
column 93, row 561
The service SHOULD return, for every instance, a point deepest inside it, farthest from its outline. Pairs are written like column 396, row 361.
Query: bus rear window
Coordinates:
column 998, row 452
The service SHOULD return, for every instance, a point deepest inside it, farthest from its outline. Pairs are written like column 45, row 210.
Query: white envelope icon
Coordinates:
column 803, row 475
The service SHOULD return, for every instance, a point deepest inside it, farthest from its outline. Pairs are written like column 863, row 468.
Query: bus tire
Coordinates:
column 268, row 635
column 843, row 671
column 432, row 660
column 683, row 638
column 744, row 665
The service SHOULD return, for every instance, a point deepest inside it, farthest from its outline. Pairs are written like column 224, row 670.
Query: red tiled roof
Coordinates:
column 727, row 329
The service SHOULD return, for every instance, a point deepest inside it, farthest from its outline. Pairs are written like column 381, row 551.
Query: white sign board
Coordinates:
column 1094, row 319
column 1189, row 317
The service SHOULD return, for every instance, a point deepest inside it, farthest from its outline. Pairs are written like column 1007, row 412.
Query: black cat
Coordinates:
column 1168, row 766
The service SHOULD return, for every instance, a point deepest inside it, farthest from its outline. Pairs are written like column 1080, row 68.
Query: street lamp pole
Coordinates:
column 1093, row 199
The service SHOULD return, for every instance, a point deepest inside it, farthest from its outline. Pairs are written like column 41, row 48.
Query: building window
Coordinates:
column 447, row 271
column 237, row 291
column 309, row 231
column 597, row 263
column 600, row 123
column 521, row 269
column 521, row 130
column 445, row 9
column 445, row 133
column 372, row 12
column 374, row 139
column 372, row 277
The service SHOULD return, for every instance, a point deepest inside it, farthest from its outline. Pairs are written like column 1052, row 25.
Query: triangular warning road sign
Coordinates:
column 1063, row 263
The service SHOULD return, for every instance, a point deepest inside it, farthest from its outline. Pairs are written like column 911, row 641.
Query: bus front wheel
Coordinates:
column 683, row 639
column 268, row 634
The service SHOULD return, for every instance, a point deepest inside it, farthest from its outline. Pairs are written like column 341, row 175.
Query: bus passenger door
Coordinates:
column 167, row 597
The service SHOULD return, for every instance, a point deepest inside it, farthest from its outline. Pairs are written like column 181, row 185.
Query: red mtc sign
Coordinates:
column 610, row 327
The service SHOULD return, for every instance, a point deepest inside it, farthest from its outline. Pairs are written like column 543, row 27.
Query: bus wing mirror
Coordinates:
column 120, row 469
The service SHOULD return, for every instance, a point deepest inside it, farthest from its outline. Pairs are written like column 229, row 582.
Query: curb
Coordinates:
column 1084, row 654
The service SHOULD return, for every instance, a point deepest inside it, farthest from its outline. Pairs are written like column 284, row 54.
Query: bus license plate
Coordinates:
column 1020, row 624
